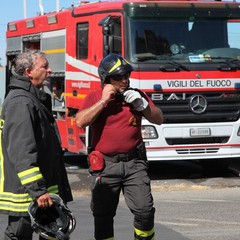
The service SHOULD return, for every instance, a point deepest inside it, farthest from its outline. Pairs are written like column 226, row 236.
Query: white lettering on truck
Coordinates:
column 172, row 96
column 199, row 83
column 218, row 83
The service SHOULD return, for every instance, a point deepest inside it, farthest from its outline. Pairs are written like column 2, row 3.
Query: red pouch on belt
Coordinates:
column 96, row 161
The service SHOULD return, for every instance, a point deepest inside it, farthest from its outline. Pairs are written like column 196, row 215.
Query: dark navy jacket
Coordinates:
column 31, row 161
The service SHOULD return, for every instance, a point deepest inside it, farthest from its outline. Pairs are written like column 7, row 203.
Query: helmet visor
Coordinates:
column 120, row 77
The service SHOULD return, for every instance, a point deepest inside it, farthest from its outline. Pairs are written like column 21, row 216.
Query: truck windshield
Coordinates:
column 156, row 40
column 183, row 32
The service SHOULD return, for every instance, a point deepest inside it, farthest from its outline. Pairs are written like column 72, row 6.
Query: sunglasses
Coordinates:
column 120, row 77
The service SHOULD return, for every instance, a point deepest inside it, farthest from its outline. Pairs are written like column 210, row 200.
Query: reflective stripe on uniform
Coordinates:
column 19, row 202
column 1, row 156
column 14, row 207
column 14, row 202
column 30, row 175
column 53, row 189
column 118, row 63
column 147, row 235
column 13, row 197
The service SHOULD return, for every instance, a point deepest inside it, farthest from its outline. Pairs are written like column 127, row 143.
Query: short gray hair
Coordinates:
column 26, row 60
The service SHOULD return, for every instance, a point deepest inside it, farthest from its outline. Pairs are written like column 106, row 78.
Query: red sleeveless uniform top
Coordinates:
column 118, row 127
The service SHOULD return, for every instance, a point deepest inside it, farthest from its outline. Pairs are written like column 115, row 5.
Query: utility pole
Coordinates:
column 57, row 5
column 25, row 8
column 41, row 7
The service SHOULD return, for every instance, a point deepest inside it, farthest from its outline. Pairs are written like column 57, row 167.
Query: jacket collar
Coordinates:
column 22, row 82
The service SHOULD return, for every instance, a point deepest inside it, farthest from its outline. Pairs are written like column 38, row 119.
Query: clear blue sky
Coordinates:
column 12, row 10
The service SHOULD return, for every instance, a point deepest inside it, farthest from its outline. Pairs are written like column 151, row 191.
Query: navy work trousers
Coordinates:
column 19, row 228
column 132, row 179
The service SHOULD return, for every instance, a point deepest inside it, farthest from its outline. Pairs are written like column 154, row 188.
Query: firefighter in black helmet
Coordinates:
column 111, row 65
column 117, row 161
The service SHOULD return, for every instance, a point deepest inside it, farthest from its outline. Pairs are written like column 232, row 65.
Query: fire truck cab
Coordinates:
column 185, row 55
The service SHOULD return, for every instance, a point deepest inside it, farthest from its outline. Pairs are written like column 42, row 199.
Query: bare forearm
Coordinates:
column 153, row 115
column 87, row 116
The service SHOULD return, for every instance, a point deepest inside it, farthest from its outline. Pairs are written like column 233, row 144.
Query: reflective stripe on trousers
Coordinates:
column 144, row 235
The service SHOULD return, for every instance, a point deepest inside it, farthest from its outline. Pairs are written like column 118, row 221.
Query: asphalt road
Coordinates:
column 203, row 214
column 189, row 204
column 167, row 176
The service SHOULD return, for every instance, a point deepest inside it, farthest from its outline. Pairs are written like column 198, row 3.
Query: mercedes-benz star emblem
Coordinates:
column 198, row 104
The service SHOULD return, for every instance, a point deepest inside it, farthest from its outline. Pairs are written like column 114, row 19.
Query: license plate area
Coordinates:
column 200, row 132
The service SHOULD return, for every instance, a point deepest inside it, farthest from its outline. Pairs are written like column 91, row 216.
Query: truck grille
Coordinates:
column 197, row 151
column 220, row 107
column 197, row 141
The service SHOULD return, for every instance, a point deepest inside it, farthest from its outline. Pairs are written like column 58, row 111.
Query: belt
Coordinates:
column 121, row 157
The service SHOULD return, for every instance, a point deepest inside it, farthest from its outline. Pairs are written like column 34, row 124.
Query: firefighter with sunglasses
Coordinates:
column 117, row 157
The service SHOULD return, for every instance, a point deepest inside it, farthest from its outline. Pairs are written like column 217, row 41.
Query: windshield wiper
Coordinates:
column 229, row 64
column 142, row 57
column 236, row 62
column 173, row 66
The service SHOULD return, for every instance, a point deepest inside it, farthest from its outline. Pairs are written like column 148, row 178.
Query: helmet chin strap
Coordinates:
column 61, row 236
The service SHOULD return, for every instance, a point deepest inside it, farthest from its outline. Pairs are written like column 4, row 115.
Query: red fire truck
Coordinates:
column 186, row 57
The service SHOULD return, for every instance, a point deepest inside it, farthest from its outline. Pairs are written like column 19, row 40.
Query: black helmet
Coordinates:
column 55, row 222
column 113, row 64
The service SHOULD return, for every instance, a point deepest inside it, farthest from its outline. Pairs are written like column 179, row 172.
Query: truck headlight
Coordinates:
column 149, row 132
